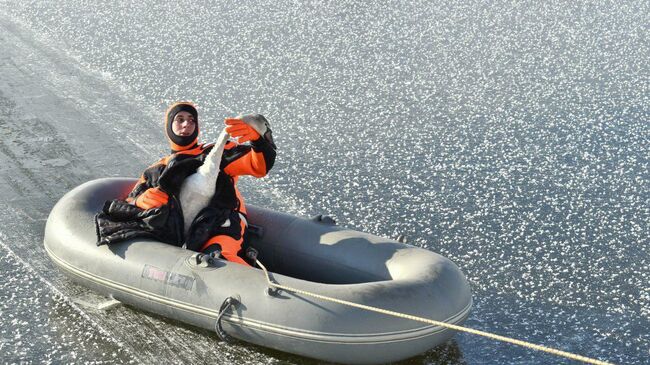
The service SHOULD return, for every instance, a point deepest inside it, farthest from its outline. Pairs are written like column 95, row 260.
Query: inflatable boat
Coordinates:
column 314, row 255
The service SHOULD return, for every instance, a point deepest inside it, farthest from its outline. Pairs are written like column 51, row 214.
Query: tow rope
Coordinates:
column 273, row 287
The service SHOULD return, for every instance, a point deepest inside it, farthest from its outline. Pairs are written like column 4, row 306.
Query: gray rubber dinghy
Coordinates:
column 314, row 255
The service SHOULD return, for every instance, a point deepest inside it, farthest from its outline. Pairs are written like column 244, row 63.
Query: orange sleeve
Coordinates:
column 148, row 179
column 255, row 159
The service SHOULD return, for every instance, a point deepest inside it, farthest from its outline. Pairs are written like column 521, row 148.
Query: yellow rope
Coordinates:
column 435, row 323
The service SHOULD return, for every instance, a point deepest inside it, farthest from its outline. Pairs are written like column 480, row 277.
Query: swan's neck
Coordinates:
column 197, row 189
column 210, row 167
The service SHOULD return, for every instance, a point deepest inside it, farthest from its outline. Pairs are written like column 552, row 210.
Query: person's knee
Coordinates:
column 234, row 258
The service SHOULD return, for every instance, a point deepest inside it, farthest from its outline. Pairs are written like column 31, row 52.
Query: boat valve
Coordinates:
column 324, row 219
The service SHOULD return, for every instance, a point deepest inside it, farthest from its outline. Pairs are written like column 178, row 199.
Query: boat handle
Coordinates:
column 229, row 302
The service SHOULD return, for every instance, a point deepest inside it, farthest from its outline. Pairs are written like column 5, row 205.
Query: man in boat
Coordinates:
column 153, row 208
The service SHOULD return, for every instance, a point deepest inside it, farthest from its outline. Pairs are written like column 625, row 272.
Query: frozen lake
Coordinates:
column 511, row 137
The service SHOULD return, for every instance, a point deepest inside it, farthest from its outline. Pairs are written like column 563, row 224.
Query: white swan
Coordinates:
column 197, row 189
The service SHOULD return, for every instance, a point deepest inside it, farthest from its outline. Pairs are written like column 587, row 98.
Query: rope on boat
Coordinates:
column 433, row 322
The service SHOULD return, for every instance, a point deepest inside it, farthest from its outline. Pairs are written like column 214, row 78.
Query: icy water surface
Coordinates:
column 511, row 137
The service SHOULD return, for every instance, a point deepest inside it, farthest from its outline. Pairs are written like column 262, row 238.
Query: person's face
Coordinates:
column 183, row 124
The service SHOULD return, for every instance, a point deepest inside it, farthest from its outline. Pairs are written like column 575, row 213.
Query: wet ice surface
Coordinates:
column 40, row 326
column 512, row 138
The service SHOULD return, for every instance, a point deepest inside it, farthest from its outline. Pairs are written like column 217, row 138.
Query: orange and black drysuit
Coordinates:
column 222, row 222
